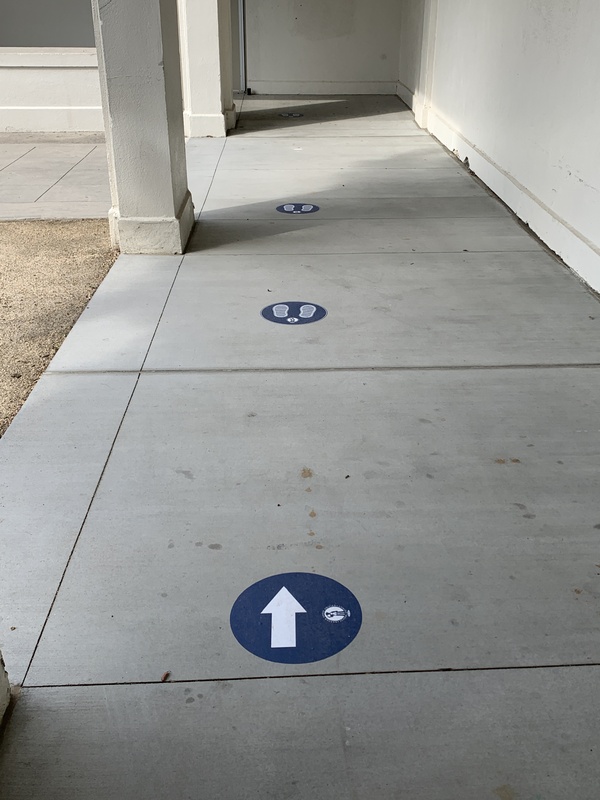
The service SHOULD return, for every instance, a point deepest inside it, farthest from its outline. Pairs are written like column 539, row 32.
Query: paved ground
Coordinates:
column 53, row 178
column 432, row 444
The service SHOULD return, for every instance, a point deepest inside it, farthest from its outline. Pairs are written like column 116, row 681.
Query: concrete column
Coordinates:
column 424, row 89
column 207, row 59
column 140, row 80
column 4, row 688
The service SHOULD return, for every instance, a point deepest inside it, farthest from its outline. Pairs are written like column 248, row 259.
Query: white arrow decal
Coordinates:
column 283, row 609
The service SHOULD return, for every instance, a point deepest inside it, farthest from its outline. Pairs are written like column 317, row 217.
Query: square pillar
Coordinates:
column 140, row 81
column 207, row 62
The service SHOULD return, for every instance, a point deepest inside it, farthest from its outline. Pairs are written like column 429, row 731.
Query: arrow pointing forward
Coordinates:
column 283, row 609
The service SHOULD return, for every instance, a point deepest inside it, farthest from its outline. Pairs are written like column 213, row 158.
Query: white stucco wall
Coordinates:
column 322, row 46
column 513, row 86
column 41, row 23
column 49, row 89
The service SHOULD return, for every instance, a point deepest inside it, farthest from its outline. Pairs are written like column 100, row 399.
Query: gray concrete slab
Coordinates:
column 357, row 208
column 459, row 507
column 421, row 309
column 115, row 330
column 54, row 180
column 270, row 185
column 370, row 153
column 75, row 192
column 308, row 128
column 12, row 152
column 312, row 235
column 15, row 193
column 67, row 210
column 467, row 736
column 204, row 153
column 51, row 459
column 343, row 108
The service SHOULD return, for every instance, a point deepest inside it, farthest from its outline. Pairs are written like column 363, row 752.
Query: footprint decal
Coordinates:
column 294, row 313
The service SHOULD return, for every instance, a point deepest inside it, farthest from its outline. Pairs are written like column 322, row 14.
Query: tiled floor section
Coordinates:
column 64, row 179
column 53, row 179
column 433, row 444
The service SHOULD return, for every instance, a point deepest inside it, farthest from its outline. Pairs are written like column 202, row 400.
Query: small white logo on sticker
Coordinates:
column 335, row 614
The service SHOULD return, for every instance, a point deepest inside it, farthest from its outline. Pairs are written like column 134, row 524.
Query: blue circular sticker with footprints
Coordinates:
column 294, row 313
column 298, row 208
column 296, row 618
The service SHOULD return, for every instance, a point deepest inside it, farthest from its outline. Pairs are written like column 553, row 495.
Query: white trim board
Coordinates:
column 69, row 57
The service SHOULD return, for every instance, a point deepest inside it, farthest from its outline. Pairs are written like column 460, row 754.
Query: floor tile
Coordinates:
column 204, row 153
column 422, row 310
column 372, row 153
column 279, row 185
column 21, row 192
column 317, row 235
column 41, row 210
column 521, row 734
column 116, row 329
column 457, row 506
column 75, row 191
column 31, row 176
column 10, row 153
column 349, row 108
column 51, row 459
column 280, row 128
column 358, row 208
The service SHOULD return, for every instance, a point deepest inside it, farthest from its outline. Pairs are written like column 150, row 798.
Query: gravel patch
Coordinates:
column 49, row 269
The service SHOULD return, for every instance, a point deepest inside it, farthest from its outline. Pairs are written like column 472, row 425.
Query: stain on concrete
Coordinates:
column 187, row 474
column 505, row 793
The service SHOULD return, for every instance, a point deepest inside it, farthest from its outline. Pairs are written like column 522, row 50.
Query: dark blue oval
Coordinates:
column 298, row 208
column 294, row 313
column 296, row 618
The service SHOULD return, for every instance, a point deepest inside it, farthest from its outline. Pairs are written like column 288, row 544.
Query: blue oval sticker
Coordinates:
column 296, row 618
column 298, row 208
column 294, row 313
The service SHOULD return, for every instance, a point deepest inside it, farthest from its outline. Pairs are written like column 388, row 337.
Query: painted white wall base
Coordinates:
column 205, row 124
column 4, row 688
column 54, row 119
column 49, row 89
column 153, row 235
column 576, row 251
column 322, row 87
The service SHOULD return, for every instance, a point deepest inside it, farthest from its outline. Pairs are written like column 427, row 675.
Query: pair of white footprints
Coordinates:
column 291, row 208
column 281, row 310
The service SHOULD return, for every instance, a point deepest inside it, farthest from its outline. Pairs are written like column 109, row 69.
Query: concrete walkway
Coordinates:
column 53, row 177
column 432, row 444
